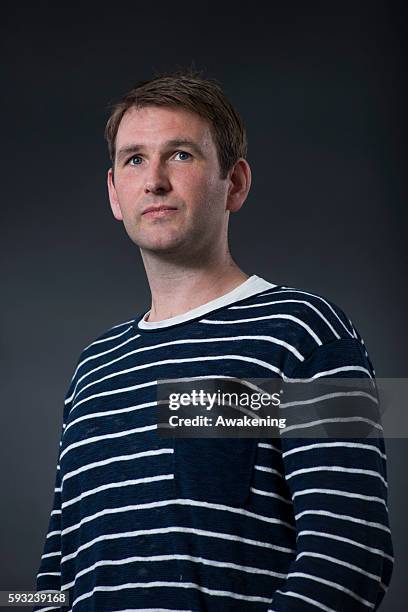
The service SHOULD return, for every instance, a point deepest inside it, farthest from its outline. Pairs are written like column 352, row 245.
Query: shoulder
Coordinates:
column 337, row 340
column 306, row 319
column 312, row 311
column 109, row 338
column 102, row 349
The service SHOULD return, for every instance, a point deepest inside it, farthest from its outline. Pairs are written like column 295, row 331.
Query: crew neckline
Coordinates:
column 251, row 286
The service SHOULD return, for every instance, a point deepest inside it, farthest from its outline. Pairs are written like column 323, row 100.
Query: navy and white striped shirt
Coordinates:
column 137, row 522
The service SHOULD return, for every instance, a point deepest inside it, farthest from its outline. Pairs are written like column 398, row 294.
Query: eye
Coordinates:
column 183, row 153
column 130, row 160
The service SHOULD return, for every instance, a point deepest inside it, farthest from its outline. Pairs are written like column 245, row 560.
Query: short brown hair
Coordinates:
column 189, row 90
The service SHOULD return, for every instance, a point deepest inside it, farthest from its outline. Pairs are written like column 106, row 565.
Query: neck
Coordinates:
column 179, row 287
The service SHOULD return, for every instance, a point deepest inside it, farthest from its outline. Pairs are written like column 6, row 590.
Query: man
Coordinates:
column 145, row 522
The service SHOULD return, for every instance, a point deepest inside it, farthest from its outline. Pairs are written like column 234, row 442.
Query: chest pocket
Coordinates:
column 214, row 469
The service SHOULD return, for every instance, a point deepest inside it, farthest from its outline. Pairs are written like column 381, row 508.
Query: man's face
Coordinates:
column 166, row 157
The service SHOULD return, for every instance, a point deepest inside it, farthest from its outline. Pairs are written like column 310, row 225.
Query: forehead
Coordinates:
column 152, row 125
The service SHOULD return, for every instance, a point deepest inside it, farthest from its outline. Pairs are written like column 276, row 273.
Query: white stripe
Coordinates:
column 176, row 529
column 128, row 323
column 335, row 585
column 172, row 557
column 341, row 493
column 119, row 434
column 117, row 485
column 268, row 494
column 177, row 502
column 131, row 321
column 95, row 464
column 274, row 316
column 320, row 398
column 340, row 562
column 263, row 468
column 332, row 371
column 316, row 310
column 164, row 584
column 330, row 536
column 332, row 420
column 307, row 447
column 52, row 554
column 270, row 446
column 242, row 381
column 343, row 517
column 152, row 610
column 113, row 392
column 313, row 602
column 336, row 468
column 317, row 297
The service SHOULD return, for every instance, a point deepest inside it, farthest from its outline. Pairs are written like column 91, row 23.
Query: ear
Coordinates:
column 240, row 184
column 113, row 197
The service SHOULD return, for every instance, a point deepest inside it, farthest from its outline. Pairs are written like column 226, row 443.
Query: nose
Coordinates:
column 156, row 179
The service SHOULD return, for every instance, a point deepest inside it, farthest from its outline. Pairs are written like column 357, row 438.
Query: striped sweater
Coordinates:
column 137, row 522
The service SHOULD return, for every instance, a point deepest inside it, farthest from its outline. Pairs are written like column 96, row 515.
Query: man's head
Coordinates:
column 176, row 141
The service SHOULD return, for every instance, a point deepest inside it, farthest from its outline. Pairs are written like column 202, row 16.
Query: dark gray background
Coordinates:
column 322, row 88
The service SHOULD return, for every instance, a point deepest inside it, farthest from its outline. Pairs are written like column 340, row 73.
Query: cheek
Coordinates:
column 202, row 187
column 124, row 186
column 216, row 196
column 127, row 193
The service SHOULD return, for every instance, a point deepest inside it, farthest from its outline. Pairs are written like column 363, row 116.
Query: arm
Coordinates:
column 49, row 572
column 339, row 491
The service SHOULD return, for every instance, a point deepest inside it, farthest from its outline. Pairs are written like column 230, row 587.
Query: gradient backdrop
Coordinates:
column 322, row 87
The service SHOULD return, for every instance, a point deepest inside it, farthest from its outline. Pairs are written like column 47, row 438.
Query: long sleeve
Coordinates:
column 338, row 485
column 49, row 572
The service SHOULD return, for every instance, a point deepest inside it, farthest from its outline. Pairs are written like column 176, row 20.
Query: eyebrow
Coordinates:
column 175, row 142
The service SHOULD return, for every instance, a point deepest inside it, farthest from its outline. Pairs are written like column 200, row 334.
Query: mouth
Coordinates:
column 159, row 211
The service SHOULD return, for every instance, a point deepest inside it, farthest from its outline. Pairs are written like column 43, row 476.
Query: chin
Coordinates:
column 160, row 245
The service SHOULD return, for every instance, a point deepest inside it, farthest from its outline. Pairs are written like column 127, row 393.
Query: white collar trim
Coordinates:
column 252, row 285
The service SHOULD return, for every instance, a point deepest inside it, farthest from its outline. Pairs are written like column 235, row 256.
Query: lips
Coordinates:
column 157, row 209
